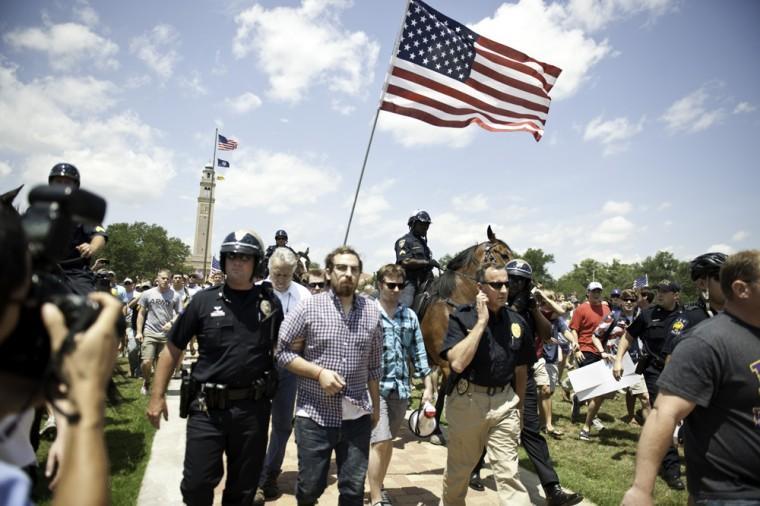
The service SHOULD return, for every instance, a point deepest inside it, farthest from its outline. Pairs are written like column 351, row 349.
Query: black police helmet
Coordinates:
column 419, row 216
column 708, row 264
column 64, row 170
column 281, row 234
column 246, row 242
column 519, row 267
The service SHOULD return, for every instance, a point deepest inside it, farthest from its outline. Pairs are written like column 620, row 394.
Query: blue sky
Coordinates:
column 650, row 144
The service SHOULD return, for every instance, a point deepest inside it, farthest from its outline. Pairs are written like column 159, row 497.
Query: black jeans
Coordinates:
column 671, row 465
column 315, row 446
column 241, row 432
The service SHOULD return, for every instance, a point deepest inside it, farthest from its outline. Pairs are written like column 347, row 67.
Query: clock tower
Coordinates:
column 204, row 222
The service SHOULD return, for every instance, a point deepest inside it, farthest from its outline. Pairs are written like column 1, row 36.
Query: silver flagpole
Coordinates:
column 210, row 206
column 374, row 123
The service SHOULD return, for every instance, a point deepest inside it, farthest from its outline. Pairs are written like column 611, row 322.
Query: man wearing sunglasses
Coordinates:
column 488, row 348
column 317, row 281
column 402, row 343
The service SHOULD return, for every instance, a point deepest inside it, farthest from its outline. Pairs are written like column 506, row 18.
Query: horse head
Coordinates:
column 302, row 268
column 496, row 250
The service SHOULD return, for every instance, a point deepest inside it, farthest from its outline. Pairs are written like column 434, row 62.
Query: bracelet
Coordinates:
column 319, row 373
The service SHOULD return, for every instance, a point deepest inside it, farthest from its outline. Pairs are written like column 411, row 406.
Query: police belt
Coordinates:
column 219, row 394
column 464, row 386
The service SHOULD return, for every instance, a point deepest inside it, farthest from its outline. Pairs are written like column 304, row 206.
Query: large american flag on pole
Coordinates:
column 445, row 74
column 226, row 144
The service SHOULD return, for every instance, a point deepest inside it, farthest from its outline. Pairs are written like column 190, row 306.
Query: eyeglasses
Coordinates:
column 347, row 268
column 317, row 285
column 629, row 300
column 498, row 285
column 243, row 257
column 394, row 286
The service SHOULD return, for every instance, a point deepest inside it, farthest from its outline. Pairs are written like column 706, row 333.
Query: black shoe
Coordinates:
column 674, row 482
column 270, row 488
column 476, row 483
column 555, row 496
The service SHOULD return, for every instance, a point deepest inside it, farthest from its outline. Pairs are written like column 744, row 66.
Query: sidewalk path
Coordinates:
column 414, row 477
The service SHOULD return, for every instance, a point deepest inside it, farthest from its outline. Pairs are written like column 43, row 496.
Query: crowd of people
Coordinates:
column 336, row 360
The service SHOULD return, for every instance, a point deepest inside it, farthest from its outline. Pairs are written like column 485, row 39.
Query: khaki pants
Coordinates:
column 477, row 421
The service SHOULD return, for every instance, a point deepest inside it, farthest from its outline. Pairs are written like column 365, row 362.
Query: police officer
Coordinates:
column 280, row 241
column 231, row 385
column 705, row 272
column 521, row 300
column 413, row 254
column 86, row 239
column 654, row 326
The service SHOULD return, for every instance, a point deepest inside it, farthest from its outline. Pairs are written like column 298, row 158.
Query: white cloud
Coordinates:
column 67, row 45
column 664, row 205
column 372, row 203
column 723, row 248
column 596, row 14
column 619, row 208
column 282, row 181
column 86, row 14
column 470, row 203
column 157, row 48
column 546, row 32
column 5, row 169
column 410, row 132
column 298, row 47
column 740, row 235
column 135, row 82
column 243, row 103
column 106, row 147
column 193, row 85
column 744, row 107
column 690, row 113
column 613, row 134
column 341, row 108
column 612, row 230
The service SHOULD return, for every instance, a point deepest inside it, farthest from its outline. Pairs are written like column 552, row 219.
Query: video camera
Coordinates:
column 49, row 225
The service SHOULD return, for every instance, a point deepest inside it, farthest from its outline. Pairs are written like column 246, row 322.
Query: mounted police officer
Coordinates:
column 280, row 241
column 228, row 392
column 85, row 242
column 413, row 254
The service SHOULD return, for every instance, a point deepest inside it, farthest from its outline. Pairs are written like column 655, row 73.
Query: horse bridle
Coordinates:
column 489, row 255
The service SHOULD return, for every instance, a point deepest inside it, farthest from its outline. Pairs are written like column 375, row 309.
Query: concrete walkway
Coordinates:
column 414, row 477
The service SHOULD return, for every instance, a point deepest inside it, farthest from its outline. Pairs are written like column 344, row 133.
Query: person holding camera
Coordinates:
column 227, row 396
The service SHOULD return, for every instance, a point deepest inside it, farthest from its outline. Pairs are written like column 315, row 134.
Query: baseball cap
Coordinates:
column 615, row 292
column 594, row 285
column 668, row 286
column 127, row 280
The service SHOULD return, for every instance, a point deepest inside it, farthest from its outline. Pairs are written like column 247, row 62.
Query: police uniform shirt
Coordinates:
column 686, row 321
column 236, row 331
column 82, row 234
column 653, row 326
column 502, row 347
column 412, row 247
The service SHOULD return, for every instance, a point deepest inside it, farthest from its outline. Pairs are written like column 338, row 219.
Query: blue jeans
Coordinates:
column 315, row 445
column 282, row 423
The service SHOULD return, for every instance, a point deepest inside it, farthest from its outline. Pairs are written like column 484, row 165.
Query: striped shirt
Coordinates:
column 347, row 344
column 402, row 341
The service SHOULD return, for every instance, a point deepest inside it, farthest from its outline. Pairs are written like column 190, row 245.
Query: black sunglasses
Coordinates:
column 629, row 300
column 393, row 286
column 317, row 285
column 497, row 285
column 244, row 257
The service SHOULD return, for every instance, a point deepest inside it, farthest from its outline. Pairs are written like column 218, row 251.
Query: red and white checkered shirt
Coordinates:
column 349, row 345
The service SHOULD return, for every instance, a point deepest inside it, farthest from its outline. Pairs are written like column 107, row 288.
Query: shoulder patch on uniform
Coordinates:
column 402, row 252
column 678, row 326
column 401, row 243
column 516, row 330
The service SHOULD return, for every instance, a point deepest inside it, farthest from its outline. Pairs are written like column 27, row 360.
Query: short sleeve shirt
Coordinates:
column 586, row 318
column 718, row 368
column 682, row 325
column 653, row 327
column 159, row 308
column 412, row 247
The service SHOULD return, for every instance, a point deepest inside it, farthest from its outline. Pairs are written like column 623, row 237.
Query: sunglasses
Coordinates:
column 498, row 285
column 317, row 285
column 629, row 300
column 244, row 257
column 393, row 286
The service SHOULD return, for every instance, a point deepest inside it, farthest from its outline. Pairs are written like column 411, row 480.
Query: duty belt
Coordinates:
column 464, row 386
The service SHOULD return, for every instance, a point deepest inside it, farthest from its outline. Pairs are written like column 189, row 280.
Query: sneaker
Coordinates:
column 584, row 435
column 597, row 423
column 476, row 483
column 438, row 439
column 49, row 429
column 144, row 389
column 385, row 496
column 575, row 417
column 259, row 498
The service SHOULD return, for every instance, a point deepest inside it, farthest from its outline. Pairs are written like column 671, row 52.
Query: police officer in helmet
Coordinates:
column 229, row 390
column 280, row 241
column 86, row 240
column 413, row 254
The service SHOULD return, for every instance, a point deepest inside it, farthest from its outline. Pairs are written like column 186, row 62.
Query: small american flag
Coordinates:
column 449, row 76
column 641, row 282
column 226, row 144
column 215, row 265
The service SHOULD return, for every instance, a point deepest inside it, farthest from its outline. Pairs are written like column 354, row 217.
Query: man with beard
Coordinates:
column 333, row 343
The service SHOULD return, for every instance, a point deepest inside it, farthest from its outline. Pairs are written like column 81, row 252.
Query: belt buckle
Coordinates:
column 462, row 386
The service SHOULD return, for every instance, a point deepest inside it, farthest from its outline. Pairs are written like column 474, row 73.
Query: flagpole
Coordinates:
column 374, row 123
column 210, row 205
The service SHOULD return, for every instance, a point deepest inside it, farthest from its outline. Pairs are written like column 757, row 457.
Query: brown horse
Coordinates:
column 457, row 285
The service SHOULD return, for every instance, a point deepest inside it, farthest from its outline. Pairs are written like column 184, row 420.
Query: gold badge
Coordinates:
column 266, row 308
column 516, row 330
column 401, row 243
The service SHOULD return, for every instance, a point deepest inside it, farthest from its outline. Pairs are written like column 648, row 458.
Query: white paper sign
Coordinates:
column 597, row 379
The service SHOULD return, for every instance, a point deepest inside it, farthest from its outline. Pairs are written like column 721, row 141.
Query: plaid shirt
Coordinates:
column 349, row 345
column 402, row 340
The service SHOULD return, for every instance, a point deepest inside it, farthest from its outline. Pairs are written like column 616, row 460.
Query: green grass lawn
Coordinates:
column 129, row 437
column 601, row 469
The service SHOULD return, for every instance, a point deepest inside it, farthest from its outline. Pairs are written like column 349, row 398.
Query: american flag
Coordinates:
column 447, row 75
column 226, row 144
column 215, row 265
column 641, row 282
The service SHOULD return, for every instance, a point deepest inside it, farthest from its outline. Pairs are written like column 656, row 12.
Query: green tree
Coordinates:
column 579, row 277
column 663, row 265
column 539, row 260
column 139, row 250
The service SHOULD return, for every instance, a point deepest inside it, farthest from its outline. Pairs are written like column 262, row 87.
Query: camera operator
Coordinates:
column 86, row 241
column 85, row 367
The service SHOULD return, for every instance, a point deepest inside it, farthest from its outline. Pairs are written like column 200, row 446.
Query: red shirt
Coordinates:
column 586, row 319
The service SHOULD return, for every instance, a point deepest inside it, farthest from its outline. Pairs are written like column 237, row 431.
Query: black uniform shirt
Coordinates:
column 82, row 233
column 503, row 345
column 682, row 325
column 236, row 333
column 412, row 247
column 653, row 327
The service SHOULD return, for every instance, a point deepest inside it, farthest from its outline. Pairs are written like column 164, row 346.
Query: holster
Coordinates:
column 451, row 382
column 271, row 382
column 186, row 393
column 643, row 363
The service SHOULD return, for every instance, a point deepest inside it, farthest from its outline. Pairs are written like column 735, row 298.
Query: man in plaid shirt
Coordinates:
column 333, row 343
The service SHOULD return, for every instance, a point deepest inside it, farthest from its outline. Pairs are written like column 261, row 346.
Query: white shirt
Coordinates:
column 292, row 296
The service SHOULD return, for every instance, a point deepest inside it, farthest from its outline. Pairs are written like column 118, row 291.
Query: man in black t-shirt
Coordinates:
column 713, row 381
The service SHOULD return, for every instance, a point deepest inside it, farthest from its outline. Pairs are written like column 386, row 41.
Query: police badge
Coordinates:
column 265, row 308
column 516, row 330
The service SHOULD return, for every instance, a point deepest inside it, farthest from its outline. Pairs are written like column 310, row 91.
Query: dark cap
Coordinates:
column 615, row 292
column 668, row 286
